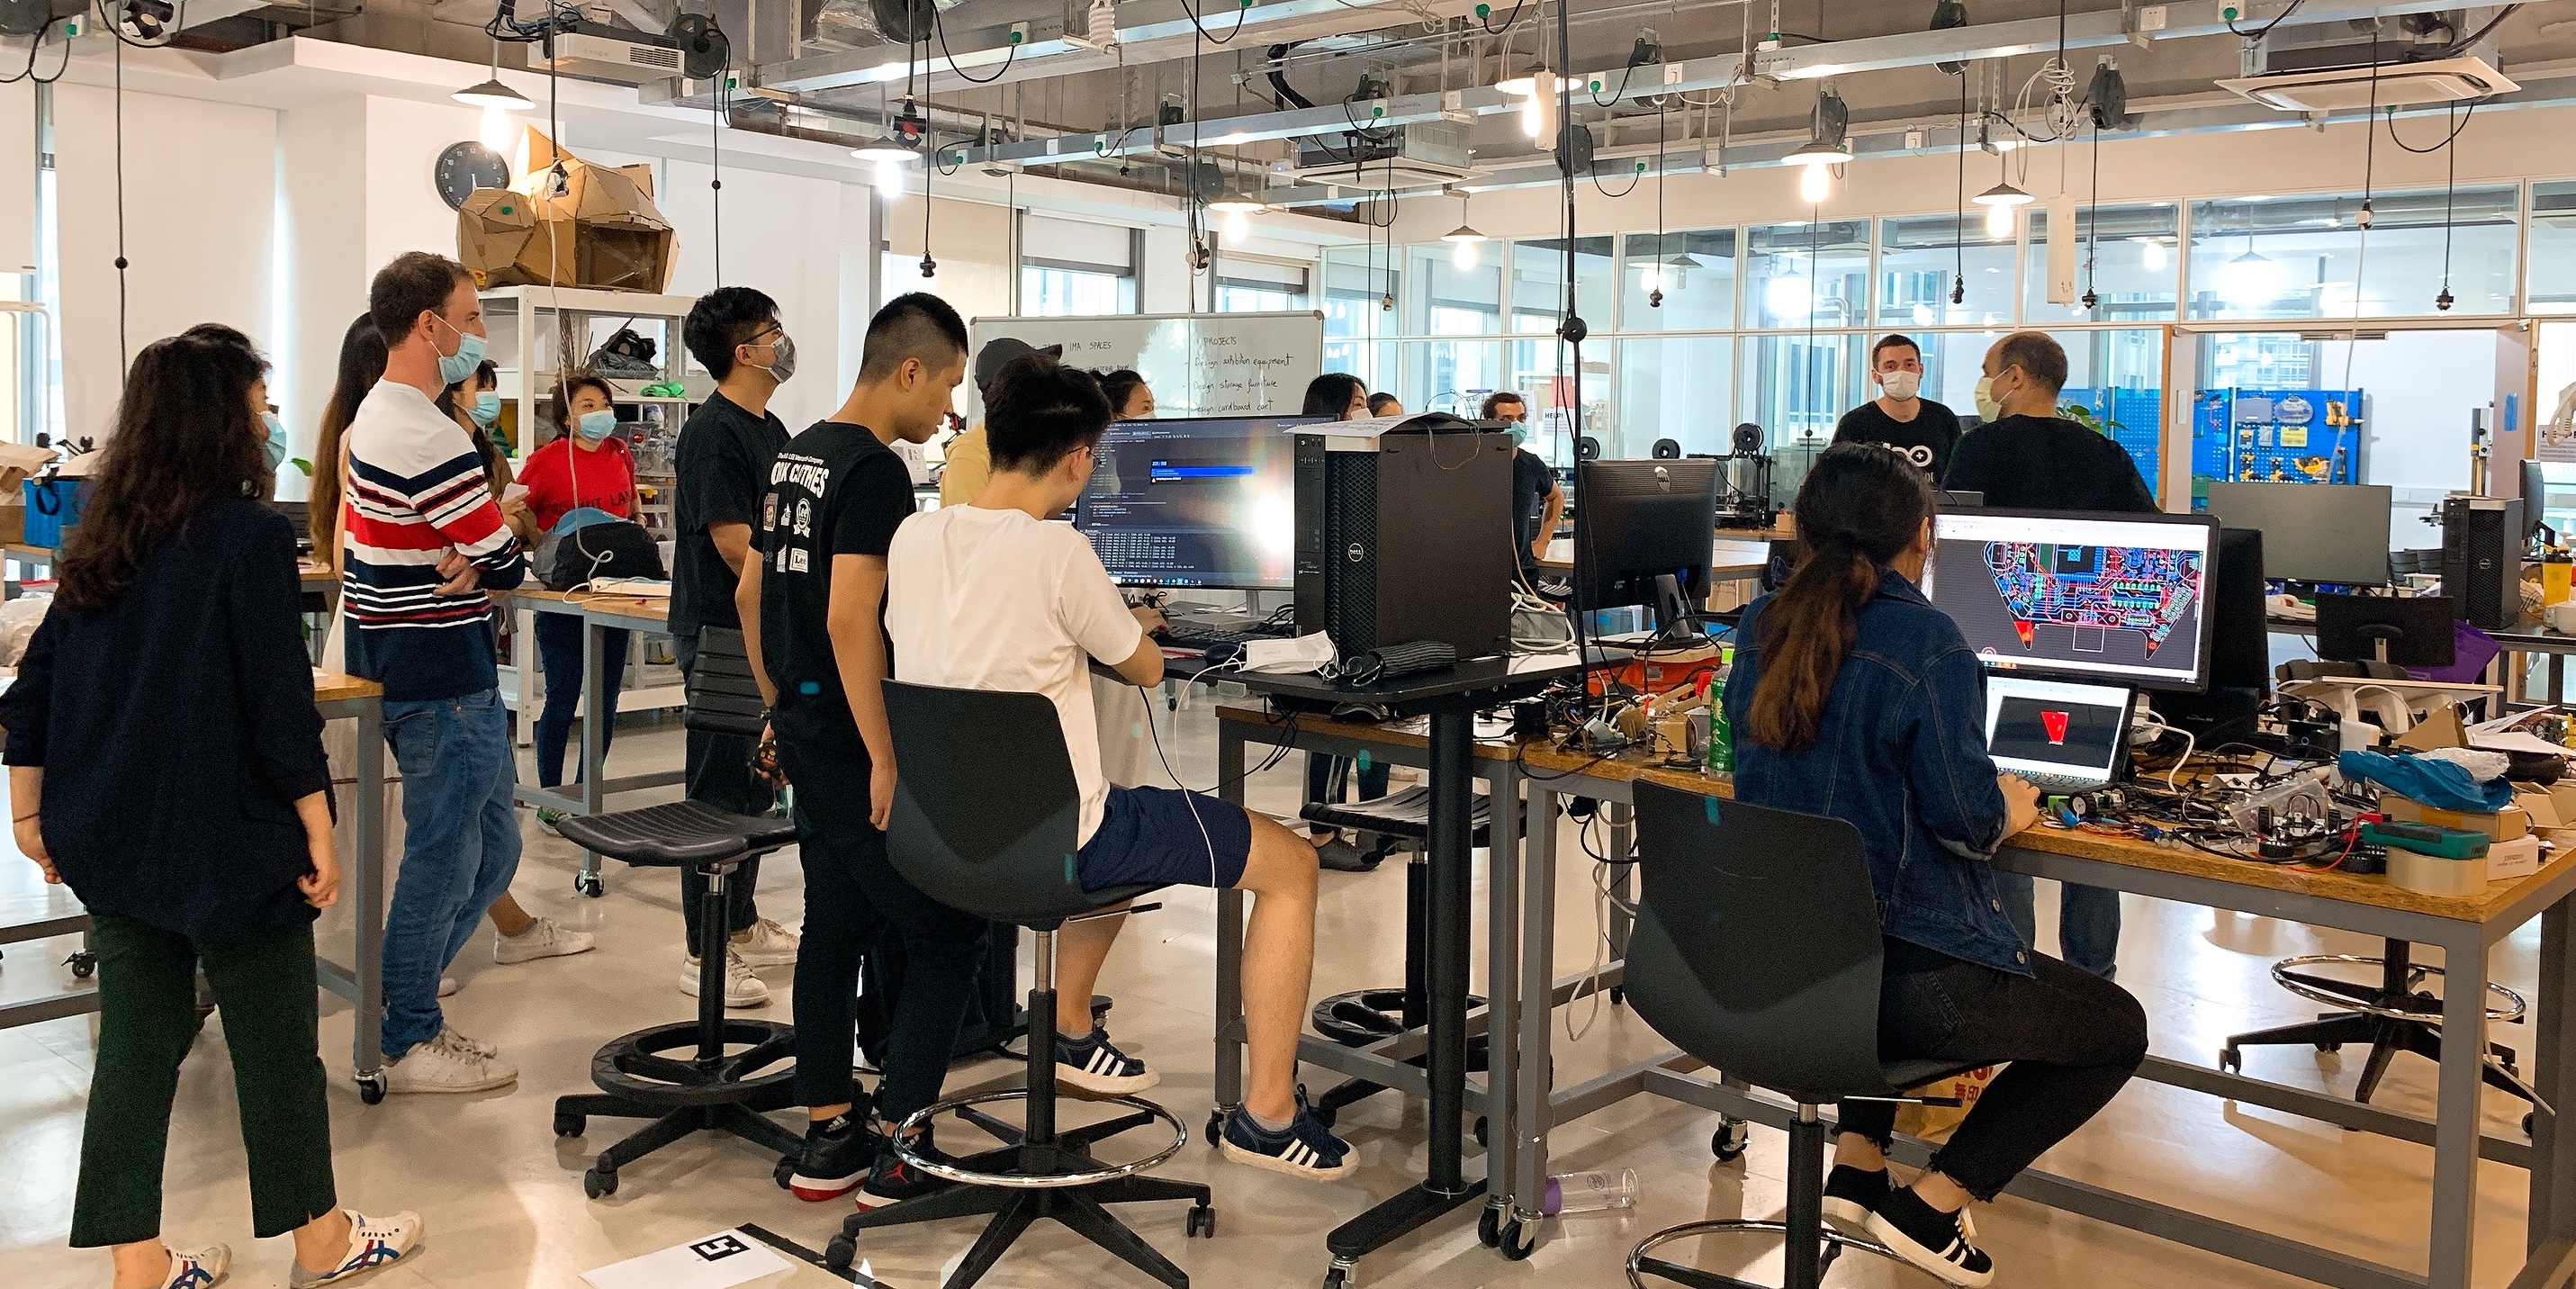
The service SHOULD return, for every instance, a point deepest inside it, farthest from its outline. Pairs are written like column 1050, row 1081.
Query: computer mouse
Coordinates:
column 1221, row 653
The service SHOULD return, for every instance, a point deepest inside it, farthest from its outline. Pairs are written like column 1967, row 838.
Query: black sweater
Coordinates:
column 177, row 730
column 2047, row 463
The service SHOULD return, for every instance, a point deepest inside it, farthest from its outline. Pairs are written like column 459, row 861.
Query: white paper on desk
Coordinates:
column 2494, row 736
column 718, row 1261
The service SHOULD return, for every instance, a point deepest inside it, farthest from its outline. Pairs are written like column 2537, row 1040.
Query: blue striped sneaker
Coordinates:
column 373, row 1242
column 198, row 1268
column 1306, row 1148
column 1090, row 1064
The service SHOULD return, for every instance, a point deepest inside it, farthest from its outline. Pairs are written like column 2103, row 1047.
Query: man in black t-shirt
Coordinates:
column 725, row 451
column 1920, row 430
column 812, row 605
column 1537, row 500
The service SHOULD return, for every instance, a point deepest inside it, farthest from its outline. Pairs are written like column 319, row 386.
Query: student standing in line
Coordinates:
column 1922, row 431
column 586, row 467
column 424, row 544
column 1537, row 499
column 1385, row 404
column 811, row 610
column 992, row 596
column 179, row 583
column 1848, row 675
column 965, row 463
column 2027, row 457
column 1341, row 396
column 725, row 451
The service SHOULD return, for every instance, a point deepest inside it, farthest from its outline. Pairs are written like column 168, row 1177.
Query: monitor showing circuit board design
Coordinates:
column 2099, row 596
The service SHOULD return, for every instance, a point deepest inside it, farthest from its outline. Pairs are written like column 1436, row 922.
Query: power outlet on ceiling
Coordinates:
column 2152, row 17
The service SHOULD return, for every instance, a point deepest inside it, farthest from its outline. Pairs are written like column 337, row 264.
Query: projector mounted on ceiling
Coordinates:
column 605, row 53
column 2344, row 89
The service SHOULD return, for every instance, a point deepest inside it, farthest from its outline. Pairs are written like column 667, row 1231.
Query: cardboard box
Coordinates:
column 602, row 229
column 2507, row 860
column 2502, row 825
column 2550, row 805
column 19, row 460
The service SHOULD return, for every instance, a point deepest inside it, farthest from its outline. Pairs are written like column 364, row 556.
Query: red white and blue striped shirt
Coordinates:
column 416, row 490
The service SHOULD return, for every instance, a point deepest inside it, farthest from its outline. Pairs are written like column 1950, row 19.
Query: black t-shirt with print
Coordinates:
column 1927, row 440
column 833, row 490
column 723, row 469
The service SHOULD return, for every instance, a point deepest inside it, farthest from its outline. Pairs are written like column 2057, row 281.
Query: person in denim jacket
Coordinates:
column 1853, row 697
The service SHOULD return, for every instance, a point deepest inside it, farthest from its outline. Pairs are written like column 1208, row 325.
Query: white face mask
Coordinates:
column 1900, row 385
column 1304, row 653
column 1987, row 407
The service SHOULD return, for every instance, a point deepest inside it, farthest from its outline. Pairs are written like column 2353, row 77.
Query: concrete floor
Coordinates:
column 504, row 1202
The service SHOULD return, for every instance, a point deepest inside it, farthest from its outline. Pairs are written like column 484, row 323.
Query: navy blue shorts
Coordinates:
column 1152, row 836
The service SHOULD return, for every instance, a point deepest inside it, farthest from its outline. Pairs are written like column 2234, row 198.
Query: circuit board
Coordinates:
column 2095, row 588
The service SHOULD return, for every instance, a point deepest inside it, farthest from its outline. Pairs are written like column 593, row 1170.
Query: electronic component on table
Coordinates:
column 2426, row 839
column 2062, row 737
column 1189, row 635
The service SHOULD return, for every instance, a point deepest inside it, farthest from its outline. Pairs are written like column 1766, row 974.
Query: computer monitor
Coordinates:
column 2109, row 597
column 2063, row 736
column 2535, row 499
column 1642, row 535
column 2333, row 533
column 1196, row 502
column 2407, row 631
column 1959, row 498
column 2240, row 648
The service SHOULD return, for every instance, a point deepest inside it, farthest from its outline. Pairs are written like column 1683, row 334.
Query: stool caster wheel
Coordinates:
column 589, row 884
column 2329, row 1047
column 83, row 965
column 1201, row 1221
column 1489, row 1227
column 1519, row 1240
column 1480, row 1130
column 840, row 1253
column 1732, row 1138
column 785, row 1172
column 570, row 1125
column 1339, row 1278
column 1215, row 1127
column 1618, row 995
column 371, row 1088
column 2231, row 1060
column 598, row 1181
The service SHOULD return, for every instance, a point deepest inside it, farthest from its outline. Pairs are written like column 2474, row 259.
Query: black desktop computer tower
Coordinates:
column 1405, row 536
column 2482, row 540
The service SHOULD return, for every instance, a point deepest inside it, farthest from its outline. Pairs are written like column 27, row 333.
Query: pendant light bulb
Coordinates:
column 495, row 131
column 1462, row 255
column 890, row 177
column 1999, row 221
column 1237, row 227
column 1815, row 184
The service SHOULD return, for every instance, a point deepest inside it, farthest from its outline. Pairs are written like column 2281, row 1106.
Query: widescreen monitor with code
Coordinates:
column 1197, row 502
column 2113, row 598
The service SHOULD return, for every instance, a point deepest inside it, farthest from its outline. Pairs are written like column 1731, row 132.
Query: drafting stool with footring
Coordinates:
column 1756, row 949
column 734, row 1071
column 2395, row 1014
column 1006, row 853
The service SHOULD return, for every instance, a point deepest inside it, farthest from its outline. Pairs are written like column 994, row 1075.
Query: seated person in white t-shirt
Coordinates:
column 992, row 595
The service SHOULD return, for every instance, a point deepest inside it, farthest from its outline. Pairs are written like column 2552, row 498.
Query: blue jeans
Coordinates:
column 559, row 652
column 460, row 847
column 2088, row 921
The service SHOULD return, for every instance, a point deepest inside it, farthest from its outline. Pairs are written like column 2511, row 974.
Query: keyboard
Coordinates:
column 2059, row 785
column 1184, row 635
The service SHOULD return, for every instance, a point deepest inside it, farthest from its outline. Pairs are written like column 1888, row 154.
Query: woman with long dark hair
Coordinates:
column 172, row 663
column 1853, row 697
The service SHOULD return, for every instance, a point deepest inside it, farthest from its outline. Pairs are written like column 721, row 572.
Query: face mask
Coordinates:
column 276, row 439
column 1901, row 385
column 1987, row 407
column 782, row 358
column 1520, row 434
column 594, row 426
column 487, row 408
column 455, row 367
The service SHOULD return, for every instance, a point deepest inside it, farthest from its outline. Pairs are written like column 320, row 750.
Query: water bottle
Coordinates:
column 1721, row 736
column 1593, row 1192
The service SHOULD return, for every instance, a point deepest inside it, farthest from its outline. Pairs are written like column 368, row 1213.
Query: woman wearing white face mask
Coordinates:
column 1900, row 418
column 589, row 467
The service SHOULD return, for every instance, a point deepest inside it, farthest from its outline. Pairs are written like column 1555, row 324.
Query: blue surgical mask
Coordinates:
column 594, row 426
column 1520, row 434
column 487, row 408
column 276, row 439
column 454, row 368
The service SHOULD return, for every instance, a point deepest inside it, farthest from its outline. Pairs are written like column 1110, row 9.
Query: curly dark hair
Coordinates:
column 185, row 436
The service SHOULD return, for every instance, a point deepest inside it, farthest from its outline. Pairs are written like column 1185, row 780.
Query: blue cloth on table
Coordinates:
column 2438, row 784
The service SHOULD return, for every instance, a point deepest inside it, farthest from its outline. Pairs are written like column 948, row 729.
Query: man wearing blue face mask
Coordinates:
column 424, row 543
column 1537, row 501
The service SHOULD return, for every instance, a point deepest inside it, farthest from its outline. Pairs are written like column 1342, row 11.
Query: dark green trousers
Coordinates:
column 147, row 993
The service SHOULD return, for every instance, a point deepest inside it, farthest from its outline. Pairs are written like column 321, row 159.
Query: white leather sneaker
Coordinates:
column 766, row 944
column 742, row 989
column 373, row 1242
column 448, row 1063
column 541, row 938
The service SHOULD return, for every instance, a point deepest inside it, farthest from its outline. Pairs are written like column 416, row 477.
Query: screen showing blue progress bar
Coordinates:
column 1163, row 472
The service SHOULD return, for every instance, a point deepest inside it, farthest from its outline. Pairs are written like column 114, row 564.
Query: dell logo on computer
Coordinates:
column 1356, row 553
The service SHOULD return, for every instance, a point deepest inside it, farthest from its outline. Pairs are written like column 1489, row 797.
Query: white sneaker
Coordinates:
column 475, row 1045
column 541, row 938
column 742, row 989
column 447, row 985
column 448, row 1063
column 198, row 1268
column 373, row 1242
column 766, row 944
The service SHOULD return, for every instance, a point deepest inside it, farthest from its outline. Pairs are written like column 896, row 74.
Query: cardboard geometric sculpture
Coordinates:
column 601, row 230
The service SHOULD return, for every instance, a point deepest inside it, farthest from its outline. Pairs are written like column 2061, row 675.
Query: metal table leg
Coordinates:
column 2552, row 1236
column 1453, row 749
column 1229, row 950
column 367, row 894
column 595, row 691
column 2455, row 1132
column 1507, row 791
column 1537, row 992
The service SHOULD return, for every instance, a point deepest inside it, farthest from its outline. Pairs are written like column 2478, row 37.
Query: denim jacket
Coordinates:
column 1901, row 754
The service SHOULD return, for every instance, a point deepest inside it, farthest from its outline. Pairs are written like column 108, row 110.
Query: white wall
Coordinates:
column 784, row 235
column 2418, row 431
column 200, row 195
column 18, row 165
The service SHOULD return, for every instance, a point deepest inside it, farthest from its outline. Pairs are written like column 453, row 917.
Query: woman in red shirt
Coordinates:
column 588, row 466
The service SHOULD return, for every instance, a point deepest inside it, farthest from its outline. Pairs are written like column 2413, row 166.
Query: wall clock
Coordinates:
column 466, row 166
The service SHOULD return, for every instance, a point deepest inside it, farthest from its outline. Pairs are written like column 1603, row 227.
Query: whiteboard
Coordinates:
column 1198, row 364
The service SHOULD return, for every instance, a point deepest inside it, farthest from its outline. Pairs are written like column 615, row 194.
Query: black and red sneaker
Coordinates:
column 893, row 1180
column 836, row 1159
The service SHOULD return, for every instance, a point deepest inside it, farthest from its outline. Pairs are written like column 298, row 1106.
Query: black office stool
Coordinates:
column 1366, row 1016
column 1007, row 853
column 735, row 1070
column 2395, row 1015
column 1772, row 976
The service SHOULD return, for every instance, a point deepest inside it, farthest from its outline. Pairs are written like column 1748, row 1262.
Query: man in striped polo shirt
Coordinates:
column 424, row 544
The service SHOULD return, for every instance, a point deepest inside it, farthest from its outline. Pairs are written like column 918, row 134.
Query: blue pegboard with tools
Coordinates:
column 2277, row 435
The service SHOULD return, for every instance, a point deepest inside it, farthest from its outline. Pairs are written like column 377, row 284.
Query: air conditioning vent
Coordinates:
column 2345, row 89
column 1427, row 154
column 623, row 58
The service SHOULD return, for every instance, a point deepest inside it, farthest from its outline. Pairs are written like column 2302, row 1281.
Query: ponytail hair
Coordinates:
column 1859, row 509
